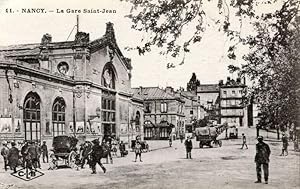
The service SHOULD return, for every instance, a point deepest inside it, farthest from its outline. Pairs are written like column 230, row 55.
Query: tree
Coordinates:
column 272, row 63
column 175, row 25
column 273, row 66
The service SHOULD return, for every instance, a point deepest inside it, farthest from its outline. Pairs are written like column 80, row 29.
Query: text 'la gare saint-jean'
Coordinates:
column 70, row 11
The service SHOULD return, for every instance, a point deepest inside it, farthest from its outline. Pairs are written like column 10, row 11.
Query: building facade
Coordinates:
column 79, row 87
column 163, row 112
column 208, row 95
column 232, row 109
column 192, row 109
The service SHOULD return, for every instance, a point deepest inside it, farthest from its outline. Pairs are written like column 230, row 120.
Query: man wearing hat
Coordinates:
column 4, row 153
column 96, row 154
column 262, row 159
column 188, row 146
column 13, row 157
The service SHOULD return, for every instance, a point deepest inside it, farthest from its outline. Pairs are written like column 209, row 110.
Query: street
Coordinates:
column 166, row 167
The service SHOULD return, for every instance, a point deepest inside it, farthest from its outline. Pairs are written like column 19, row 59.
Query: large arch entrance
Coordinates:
column 32, row 117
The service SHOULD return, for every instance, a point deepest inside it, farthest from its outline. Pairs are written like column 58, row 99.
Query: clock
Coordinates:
column 63, row 68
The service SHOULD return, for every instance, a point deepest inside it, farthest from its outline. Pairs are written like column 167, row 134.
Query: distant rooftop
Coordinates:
column 208, row 88
column 152, row 93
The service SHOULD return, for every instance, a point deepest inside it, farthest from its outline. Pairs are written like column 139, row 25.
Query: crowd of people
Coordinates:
column 30, row 153
column 27, row 156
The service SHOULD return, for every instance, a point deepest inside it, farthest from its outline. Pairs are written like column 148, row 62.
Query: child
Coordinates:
column 53, row 162
column 138, row 151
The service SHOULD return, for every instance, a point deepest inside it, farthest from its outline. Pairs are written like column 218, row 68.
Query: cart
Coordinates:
column 207, row 136
column 233, row 132
column 64, row 148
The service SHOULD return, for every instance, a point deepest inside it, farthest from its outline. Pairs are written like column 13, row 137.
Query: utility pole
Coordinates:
column 77, row 23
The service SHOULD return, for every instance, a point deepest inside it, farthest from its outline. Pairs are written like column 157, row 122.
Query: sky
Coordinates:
column 207, row 59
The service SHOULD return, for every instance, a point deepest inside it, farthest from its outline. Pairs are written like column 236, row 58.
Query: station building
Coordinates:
column 78, row 87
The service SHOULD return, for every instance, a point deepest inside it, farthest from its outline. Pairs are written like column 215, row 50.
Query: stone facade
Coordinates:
column 232, row 109
column 78, row 87
column 192, row 109
column 163, row 112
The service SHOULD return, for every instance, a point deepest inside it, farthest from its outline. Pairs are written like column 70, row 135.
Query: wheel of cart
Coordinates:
column 72, row 160
column 216, row 143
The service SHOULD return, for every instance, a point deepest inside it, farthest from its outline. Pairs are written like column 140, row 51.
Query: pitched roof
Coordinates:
column 150, row 93
column 34, row 49
column 208, row 88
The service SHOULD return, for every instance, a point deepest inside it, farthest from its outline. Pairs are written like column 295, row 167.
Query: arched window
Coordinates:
column 32, row 117
column 108, row 76
column 58, row 116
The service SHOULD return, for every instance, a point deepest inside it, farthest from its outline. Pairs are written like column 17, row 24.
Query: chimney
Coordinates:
column 110, row 32
column 228, row 81
column 169, row 90
column 220, row 82
column 140, row 90
column 47, row 38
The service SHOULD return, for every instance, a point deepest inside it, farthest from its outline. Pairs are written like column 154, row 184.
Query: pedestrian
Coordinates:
column 170, row 140
column 181, row 138
column 39, row 153
column 4, row 154
column 96, row 154
column 122, row 149
column 188, row 146
column 53, row 164
column 85, row 152
column 107, row 146
column 262, row 159
column 44, row 152
column 32, row 156
column 13, row 157
column 138, row 151
column 285, row 144
column 244, row 141
column 24, row 151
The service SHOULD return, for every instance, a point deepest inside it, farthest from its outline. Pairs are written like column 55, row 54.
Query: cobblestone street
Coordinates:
column 166, row 167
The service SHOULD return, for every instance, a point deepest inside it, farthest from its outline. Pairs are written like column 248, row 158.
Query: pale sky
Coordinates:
column 208, row 59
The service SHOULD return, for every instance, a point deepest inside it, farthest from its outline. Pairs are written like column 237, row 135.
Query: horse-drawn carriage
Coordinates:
column 208, row 135
column 64, row 148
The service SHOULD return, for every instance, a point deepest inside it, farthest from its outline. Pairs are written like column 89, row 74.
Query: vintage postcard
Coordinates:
column 149, row 94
